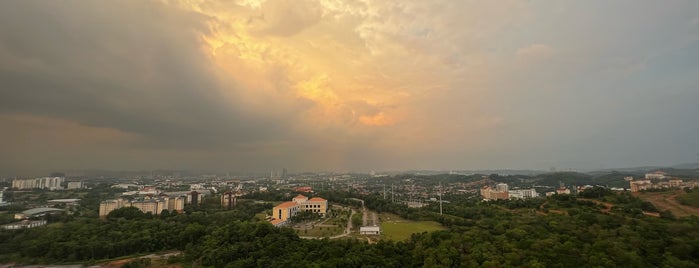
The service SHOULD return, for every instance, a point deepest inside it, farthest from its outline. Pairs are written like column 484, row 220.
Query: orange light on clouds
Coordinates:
column 380, row 119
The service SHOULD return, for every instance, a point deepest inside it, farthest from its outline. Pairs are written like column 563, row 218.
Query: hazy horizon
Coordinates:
column 346, row 85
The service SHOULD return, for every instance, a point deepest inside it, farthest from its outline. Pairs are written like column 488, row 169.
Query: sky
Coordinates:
column 347, row 85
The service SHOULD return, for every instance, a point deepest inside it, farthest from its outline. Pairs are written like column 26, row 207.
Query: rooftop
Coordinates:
column 276, row 221
column 39, row 210
column 317, row 199
column 369, row 228
column 64, row 200
column 286, row 205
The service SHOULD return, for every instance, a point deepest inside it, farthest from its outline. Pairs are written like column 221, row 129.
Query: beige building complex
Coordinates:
column 147, row 204
column 282, row 212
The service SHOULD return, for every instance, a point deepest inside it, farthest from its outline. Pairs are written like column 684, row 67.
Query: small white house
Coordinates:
column 370, row 230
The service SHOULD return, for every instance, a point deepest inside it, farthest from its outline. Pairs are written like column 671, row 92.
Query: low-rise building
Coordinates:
column 23, row 224
column 285, row 210
column 641, row 185
column 36, row 212
column 70, row 202
column 370, row 230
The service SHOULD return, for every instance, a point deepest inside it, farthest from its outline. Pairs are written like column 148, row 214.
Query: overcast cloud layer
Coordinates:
column 347, row 85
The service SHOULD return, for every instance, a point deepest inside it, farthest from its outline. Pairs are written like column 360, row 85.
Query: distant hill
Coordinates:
column 567, row 178
column 682, row 173
column 608, row 179
column 687, row 166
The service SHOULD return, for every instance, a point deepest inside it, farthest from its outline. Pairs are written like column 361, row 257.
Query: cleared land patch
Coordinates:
column 666, row 201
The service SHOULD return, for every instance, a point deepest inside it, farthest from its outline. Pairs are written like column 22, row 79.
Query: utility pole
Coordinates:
column 384, row 191
column 440, row 199
column 393, row 194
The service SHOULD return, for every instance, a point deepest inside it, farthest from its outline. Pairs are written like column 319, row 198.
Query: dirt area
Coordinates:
column 666, row 201
column 607, row 206
column 157, row 260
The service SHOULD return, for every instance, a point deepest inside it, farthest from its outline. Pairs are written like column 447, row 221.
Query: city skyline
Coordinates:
column 347, row 85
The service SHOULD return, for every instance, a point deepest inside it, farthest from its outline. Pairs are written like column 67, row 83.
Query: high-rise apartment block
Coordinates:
column 48, row 183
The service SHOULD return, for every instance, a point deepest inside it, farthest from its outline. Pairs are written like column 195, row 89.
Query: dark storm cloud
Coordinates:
column 135, row 66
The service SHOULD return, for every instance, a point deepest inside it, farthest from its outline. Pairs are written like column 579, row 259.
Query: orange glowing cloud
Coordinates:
column 380, row 119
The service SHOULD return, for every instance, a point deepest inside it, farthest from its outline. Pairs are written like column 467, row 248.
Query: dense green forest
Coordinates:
column 524, row 233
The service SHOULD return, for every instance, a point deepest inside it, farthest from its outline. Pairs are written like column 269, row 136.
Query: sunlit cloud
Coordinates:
column 353, row 84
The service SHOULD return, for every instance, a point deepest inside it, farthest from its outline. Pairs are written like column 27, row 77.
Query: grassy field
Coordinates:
column 396, row 228
column 668, row 201
column 689, row 199
column 261, row 216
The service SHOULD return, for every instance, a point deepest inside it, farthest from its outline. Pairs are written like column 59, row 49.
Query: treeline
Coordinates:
column 377, row 203
column 491, row 234
column 587, row 239
column 126, row 231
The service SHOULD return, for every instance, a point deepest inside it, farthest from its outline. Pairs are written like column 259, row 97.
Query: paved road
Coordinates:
column 346, row 233
column 348, row 230
column 365, row 216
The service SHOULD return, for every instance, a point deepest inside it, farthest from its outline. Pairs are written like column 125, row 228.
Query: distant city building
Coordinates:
column 502, row 192
column 176, row 203
column 48, row 183
column 147, row 204
column 125, row 186
column 228, row 200
column 584, row 187
column 659, row 175
column 414, row 204
column 674, row 183
column 523, row 194
column 502, row 187
column 194, row 198
column 111, row 205
column 67, row 202
column 647, row 184
column 562, row 190
column 489, row 193
column 304, row 189
column 197, row 186
column 282, row 212
column 75, row 185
